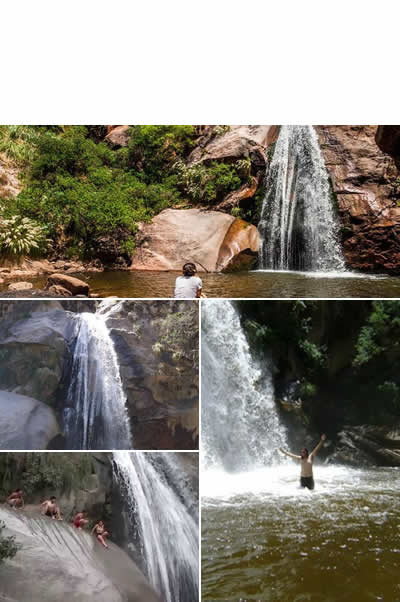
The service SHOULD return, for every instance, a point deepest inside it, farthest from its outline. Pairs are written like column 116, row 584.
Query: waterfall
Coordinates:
column 298, row 226
column 167, row 532
column 95, row 416
column 240, row 423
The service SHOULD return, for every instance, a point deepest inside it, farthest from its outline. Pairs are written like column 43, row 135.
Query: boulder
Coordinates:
column 59, row 291
column 239, row 250
column 58, row 562
column 207, row 238
column 74, row 285
column 20, row 286
column 118, row 137
column 33, row 349
column 25, row 423
column 238, row 142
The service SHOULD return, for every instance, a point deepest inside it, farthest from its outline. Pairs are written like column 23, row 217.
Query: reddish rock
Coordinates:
column 364, row 181
column 239, row 249
column 176, row 236
column 118, row 137
column 234, row 198
column 74, row 285
column 237, row 143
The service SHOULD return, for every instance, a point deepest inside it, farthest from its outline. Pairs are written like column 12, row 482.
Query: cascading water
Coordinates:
column 298, row 226
column 167, row 532
column 95, row 416
column 240, row 423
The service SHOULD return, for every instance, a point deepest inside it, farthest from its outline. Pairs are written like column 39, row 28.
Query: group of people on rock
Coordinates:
column 50, row 508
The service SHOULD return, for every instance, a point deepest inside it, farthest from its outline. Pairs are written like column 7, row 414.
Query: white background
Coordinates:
column 194, row 62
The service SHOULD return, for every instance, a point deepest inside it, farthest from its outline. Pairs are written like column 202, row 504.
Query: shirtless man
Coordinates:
column 50, row 508
column 16, row 499
column 306, row 461
column 80, row 519
column 100, row 533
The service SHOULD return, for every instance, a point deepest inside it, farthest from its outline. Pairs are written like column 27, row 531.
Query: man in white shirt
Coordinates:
column 188, row 286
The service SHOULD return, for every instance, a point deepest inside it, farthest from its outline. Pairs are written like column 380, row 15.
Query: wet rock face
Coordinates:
column 25, row 423
column 368, row 445
column 58, row 562
column 364, row 180
column 211, row 239
column 157, row 348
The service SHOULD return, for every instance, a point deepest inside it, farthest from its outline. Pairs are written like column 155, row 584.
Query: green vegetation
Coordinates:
column 8, row 545
column 83, row 195
column 41, row 471
column 341, row 358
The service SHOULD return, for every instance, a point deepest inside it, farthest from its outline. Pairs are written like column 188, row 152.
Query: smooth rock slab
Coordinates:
column 59, row 563
column 25, row 423
column 209, row 238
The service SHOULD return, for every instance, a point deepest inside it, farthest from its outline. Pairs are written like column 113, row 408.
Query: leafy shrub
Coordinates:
column 154, row 148
column 20, row 236
column 17, row 142
column 8, row 545
column 207, row 183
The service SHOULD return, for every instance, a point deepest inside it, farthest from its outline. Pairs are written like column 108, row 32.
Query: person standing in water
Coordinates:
column 188, row 286
column 306, row 461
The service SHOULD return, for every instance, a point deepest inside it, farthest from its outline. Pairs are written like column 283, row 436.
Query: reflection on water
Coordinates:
column 257, row 284
column 266, row 539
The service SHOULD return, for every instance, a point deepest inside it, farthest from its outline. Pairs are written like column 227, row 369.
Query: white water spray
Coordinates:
column 95, row 416
column 240, row 422
column 167, row 532
column 298, row 226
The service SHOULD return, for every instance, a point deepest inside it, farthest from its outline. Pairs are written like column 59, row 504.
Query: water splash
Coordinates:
column 240, row 422
column 95, row 416
column 167, row 532
column 298, row 226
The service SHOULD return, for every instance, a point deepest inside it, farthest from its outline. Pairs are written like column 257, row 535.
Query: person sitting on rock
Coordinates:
column 16, row 499
column 306, row 460
column 100, row 533
column 188, row 286
column 80, row 519
column 49, row 508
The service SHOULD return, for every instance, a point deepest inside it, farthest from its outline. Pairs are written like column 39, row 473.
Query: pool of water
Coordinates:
column 264, row 538
column 257, row 284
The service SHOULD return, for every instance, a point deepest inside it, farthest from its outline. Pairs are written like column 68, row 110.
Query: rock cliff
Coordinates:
column 157, row 348
column 365, row 182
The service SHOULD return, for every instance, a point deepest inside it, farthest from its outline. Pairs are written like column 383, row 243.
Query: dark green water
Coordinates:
column 244, row 284
column 265, row 539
